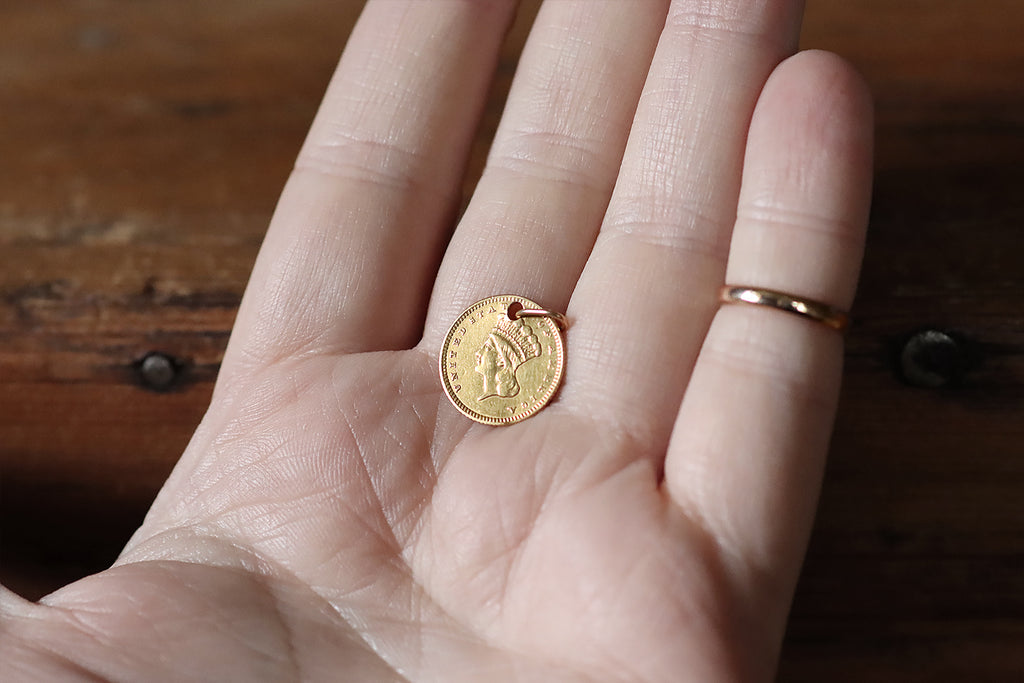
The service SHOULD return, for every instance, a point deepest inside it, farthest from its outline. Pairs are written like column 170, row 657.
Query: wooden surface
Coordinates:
column 142, row 147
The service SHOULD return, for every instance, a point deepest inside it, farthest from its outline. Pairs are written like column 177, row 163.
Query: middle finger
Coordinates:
column 533, row 218
column 647, row 295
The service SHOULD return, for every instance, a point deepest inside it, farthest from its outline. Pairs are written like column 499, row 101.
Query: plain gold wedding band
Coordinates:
column 814, row 310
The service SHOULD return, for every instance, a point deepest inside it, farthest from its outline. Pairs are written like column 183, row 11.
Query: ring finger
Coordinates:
column 748, row 449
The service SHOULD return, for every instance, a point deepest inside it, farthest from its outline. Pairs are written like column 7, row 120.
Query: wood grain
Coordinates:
column 142, row 147
column 916, row 567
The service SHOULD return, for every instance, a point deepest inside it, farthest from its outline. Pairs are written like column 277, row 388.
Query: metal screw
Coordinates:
column 932, row 359
column 157, row 371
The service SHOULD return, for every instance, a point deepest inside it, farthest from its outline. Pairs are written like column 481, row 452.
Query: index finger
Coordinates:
column 355, row 239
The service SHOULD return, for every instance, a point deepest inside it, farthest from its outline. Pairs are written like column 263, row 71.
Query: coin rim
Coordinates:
column 538, row 404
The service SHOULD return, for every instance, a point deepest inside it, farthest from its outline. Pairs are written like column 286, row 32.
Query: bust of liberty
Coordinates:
column 509, row 345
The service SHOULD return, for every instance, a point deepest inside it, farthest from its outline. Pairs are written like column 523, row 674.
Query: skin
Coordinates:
column 334, row 518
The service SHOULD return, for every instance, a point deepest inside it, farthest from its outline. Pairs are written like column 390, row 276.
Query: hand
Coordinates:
column 335, row 518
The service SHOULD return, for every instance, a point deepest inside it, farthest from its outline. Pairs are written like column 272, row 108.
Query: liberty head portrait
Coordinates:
column 509, row 345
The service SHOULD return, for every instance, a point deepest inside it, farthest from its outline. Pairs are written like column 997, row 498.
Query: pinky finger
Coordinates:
column 749, row 444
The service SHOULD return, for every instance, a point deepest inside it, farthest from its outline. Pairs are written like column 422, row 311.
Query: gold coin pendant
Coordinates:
column 499, row 368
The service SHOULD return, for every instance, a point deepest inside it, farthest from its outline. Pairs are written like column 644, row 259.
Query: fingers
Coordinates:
column 645, row 300
column 748, row 448
column 357, row 233
column 554, row 160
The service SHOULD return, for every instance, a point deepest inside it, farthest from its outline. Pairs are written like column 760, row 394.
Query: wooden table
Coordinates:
column 142, row 147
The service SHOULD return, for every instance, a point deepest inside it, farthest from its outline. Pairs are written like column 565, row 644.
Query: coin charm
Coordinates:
column 503, row 359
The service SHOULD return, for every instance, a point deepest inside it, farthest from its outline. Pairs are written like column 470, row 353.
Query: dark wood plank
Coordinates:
column 143, row 148
column 916, row 567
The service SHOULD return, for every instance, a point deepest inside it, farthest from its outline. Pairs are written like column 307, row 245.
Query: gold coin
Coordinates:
column 500, row 369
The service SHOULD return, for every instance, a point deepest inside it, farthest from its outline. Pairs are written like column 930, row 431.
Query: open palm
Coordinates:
column 335, row 518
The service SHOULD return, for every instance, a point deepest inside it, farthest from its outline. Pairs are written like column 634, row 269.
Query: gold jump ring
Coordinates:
column 557, row 317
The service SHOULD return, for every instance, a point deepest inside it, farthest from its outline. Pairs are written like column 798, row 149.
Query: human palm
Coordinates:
column 335, row 518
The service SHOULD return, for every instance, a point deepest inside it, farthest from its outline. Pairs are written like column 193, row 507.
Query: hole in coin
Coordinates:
column 513, row 310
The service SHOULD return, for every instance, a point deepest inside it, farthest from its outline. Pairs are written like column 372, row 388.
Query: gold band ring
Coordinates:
column 814, row 310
